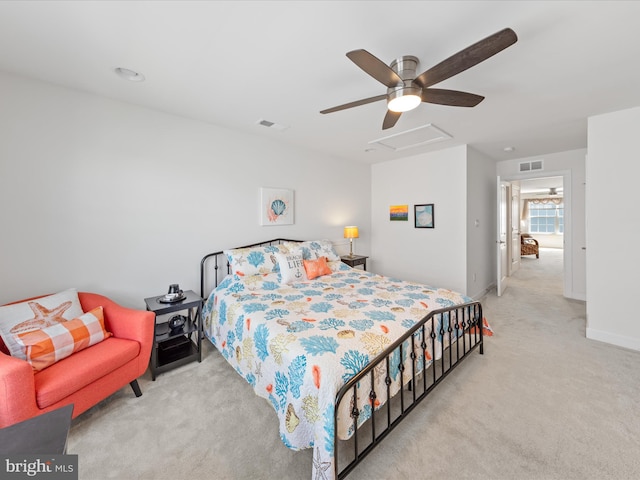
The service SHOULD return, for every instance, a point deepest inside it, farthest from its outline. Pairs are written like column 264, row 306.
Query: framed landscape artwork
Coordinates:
column 424, row 215
column 399, row 213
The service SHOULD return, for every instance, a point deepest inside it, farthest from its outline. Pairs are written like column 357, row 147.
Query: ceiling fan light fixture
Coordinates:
column 405, row 90
column 404, row 99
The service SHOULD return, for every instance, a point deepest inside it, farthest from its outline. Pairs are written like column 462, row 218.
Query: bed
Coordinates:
column 342, row 355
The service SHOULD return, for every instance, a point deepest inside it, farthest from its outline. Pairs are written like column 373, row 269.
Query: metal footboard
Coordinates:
column 459, row 329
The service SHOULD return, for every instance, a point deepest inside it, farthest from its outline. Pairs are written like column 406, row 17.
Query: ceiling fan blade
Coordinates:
column 467, row 58
column 390, row 119
column 453, row 98
column 375, row 67
column 357, row 103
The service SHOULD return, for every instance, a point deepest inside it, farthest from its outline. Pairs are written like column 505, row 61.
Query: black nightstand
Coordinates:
column 173, row 348
column 354, row 260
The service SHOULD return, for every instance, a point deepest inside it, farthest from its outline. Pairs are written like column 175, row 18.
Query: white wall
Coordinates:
column 108, row 197
column 571, row 166
column 433, row 256
column 613, row 170
column 481, row 223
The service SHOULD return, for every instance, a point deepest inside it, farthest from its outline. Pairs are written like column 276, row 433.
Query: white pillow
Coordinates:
column 291, row 266
column 36, row 315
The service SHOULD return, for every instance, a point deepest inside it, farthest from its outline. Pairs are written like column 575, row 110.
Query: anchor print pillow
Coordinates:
column 36, row 315
column 291, row 266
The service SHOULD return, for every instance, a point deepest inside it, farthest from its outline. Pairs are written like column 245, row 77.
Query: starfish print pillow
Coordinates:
column 36, row 314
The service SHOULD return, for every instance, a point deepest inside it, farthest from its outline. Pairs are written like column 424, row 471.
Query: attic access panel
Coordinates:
column 415, row 137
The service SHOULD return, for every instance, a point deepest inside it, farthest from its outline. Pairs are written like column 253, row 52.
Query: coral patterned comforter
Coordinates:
column 298, row 344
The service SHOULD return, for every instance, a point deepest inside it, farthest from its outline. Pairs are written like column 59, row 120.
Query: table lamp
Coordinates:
column 351, row 232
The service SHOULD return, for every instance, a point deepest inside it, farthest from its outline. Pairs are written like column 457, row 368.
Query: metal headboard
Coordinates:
column 219, row 259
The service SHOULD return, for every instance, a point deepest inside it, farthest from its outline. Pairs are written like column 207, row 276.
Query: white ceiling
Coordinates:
column 541, row 185
column 233, row 63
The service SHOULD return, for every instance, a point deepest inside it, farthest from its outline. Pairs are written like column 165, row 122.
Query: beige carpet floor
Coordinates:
column 543, row 402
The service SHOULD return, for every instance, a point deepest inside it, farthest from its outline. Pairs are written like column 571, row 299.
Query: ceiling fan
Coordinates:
column 406, row 91
column 553, row 191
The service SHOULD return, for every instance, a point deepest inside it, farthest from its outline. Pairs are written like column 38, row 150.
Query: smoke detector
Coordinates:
column 128, row 74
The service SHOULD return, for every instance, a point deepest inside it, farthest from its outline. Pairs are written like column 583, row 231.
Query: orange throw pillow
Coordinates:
column 47, row 346
column 316, row 268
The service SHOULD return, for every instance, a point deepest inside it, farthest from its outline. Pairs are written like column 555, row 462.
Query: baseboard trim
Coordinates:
column 576, row 296
column 479, row 296
column 614, row 339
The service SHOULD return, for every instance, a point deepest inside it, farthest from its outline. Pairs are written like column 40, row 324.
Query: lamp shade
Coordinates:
column 351, row 232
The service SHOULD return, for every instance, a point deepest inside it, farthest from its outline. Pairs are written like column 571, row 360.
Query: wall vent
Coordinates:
column 532, row 166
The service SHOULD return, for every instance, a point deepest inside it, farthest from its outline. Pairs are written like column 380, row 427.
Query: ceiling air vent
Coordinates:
column 273, row 125
column 532, row 166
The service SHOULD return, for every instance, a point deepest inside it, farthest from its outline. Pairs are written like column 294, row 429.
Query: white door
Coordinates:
column 515, row 227
column 501, row 241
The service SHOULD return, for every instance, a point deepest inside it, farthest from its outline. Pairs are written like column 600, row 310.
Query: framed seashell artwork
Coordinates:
column 276, row 206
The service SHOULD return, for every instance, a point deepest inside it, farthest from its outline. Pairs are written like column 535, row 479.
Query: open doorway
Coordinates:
column 535, row 224
column 574, row 212
column 542, row 228
column 542, row 211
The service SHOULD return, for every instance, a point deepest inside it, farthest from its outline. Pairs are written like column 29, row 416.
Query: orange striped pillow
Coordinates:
column 45, row 347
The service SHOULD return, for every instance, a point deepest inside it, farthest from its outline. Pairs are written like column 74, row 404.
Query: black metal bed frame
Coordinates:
column 460, row 332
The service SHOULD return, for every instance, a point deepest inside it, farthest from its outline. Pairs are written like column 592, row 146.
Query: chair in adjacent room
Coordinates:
column 529, row 245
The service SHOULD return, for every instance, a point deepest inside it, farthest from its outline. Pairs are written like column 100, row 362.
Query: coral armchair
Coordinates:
column 86, row 377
